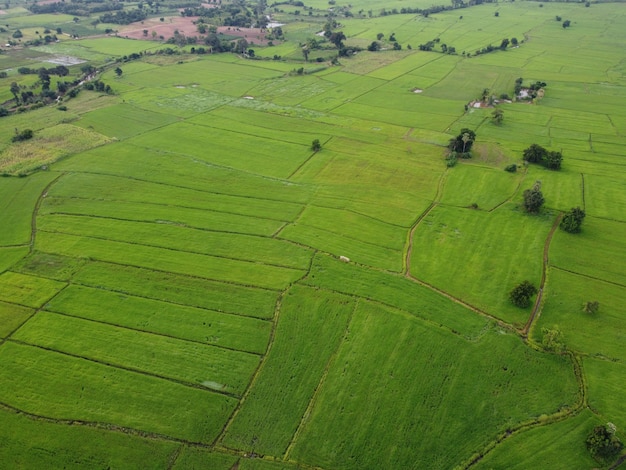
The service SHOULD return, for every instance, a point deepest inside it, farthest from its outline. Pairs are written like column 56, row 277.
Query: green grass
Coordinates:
column 466, row 185
column 110, row 188
column 565, row 296
column 464, row 393
column 179, row 321
column 28, row 442
column 480, row 256
column 598, row 251
column 160, row 213
column 123, row 121
column 396, row 291
column 189, row 240
column 12, row 317
column 161, row 356
column 27, row 290
column 18, row 197
column 558, row 445
column 605, row 382
column 180, row 289
column 99, row 393
column 193, row 458
column 353, row 238
column 11, row 255
column 193, row 264
column 310, row 327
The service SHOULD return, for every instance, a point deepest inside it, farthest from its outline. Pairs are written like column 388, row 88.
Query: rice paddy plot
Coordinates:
column 415, row 117
column 395, row 291
column 58, row 386
column 603, row 196
column 289, row 91
column 387, row 410
column 215, row 368
column 229, row 245
column 60, row 268
column 179, row 289
column 190, row 178
column 485, row 255
column 108, row 191
column 605, row 380
column 400, row 209
column 231, row 331
column 557, row 445
column 561, row 189
column 178, row 101
column 27, row 290
column 29, row 442
column 122, row 121
column 286, row 128
column 565, row 297
column 11, row 255
column 228, row 148
column 12, row 317
column 18, row 197
column 599, row 251
column 195, row 458
column 163, row 214
column 309, row 329
column 209, row 267
column 466, row 185
column 341, row 93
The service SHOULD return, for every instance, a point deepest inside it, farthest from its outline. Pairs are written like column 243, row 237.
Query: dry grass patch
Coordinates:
column 48, row 146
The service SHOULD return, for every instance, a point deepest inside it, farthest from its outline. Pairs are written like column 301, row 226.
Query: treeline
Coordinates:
column 60, row 70
column 230, row 15
column 75, row 7
column 124, row 17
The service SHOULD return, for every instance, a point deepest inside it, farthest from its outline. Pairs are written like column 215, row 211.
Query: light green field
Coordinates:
column 141, row 314
column 368, row 376
column 315, row 321
column 171, row 289
column 462, row 251
column 565, row 297
column 29, row 442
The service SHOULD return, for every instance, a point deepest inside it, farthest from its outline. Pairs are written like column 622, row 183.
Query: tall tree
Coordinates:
column 535, row 153
column 533, row 198
column 15, row 90
column 572, row 220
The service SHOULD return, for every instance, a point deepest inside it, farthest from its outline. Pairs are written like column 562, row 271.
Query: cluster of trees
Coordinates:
column 537, row 154
column 76, row 7
column 60, row 70
column 603, row 444
column 503, row 45
column 20, row 136
column 462, row 143
column 533, row 90
column 123, row 16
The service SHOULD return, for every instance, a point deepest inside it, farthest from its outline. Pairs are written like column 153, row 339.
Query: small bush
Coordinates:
column 24, row 135
column 511, row 168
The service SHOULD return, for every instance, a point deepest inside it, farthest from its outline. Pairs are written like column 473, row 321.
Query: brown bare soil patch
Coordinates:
column 186, row 26
column 166, row 28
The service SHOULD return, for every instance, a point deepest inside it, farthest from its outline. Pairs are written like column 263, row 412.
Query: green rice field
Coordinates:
column 264, row 260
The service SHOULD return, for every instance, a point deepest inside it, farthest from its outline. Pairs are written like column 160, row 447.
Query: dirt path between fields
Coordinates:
column 546, row 248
